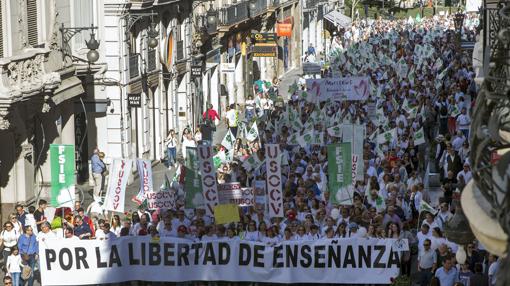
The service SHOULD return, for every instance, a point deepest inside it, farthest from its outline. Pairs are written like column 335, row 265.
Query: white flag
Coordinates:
column 387, row 136
column 419, row 137
column 228, row 140
column 253, row 134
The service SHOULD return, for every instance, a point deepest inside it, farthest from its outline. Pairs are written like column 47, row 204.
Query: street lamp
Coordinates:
column 458, row 22
column 153, row 36
column 212, row 19
column 69, row 32
column 253, row 7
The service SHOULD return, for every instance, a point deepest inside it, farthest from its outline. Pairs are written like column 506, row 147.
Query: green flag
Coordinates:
column 229, row 140
column 253, row 134
column 62, row 175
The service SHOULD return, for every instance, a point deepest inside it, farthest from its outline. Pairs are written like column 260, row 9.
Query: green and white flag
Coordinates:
column 419, row 137
column 455, row 111
column 252, row 163
column 387, row 136
column 293, row 139
column 219, row 158
column 438, row 64
column 425, row 207
column 229, row 140
column 306, row 138
column 406, row 105
column 318, row 138
column 241, row 129
column 413, row 113
column 253, row 134
column 339, row 169
column 335, row 131
column 62, row 175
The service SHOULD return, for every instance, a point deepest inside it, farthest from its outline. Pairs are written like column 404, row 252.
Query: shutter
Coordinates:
column 1, row 33
column 33, row 38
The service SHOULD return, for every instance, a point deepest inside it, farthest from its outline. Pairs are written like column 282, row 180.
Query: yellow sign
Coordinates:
column 243, row 49
column 226, row 214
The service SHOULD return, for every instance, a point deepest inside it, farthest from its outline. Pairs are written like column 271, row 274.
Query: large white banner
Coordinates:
column 116, row 194
column 209, row 184
column 345, row 88
column 145, row 174
column 233, row 193
column 274, row 180
column 346, row 261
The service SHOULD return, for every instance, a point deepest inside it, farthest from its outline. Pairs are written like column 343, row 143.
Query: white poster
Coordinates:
column 338, row 89
column 145, row 174
column 93, row 262
column 274, row 180
column 233, row 193
column 208, row 173
column 161, row 200
column 116, row 194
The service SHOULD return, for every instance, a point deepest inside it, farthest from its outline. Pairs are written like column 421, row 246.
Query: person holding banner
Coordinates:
column 98, row 169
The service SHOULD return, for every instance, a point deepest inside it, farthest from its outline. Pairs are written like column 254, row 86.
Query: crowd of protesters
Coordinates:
column 387, row 203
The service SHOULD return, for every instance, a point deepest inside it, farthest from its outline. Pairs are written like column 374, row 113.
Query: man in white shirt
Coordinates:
column 464, row 122
column 443, row 215
column 465, row 173
column 233, row 119
column 104, row 233
column 422, row 236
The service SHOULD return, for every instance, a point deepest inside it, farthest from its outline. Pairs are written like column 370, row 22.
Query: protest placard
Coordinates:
column 233, row 193
column 339, row 168
column 338, row 89
column 160, row 200
column 224, row 214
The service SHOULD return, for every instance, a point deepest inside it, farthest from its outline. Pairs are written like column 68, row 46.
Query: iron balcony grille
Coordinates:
column 234, row 13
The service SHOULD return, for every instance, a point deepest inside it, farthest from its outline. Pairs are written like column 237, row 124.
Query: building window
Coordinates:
column 33, row 35
column 180, row 42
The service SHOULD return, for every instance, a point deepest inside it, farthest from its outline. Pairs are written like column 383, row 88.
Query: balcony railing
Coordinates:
column 151, row 60
column 311, row 4
column 234, row 13
column 134, row 70
column 260, row 7
column 180, row 50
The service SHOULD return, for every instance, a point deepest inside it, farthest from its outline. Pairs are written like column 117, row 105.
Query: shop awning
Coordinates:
column 338, row 19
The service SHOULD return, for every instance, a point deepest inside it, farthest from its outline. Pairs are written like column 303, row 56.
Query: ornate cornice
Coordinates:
column 25, row 76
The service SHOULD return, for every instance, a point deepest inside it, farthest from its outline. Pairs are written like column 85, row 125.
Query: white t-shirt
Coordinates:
column 14, row 263
column 41, row 236
column 10, row 238
column 101, row 235
column 232, row 118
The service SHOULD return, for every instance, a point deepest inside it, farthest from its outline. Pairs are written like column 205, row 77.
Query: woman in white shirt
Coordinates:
column 251, row 234
column 270, row 239
column 187, row 141
column 13, row 266
column 116, row 225
column 9, row 238
column 301, row 234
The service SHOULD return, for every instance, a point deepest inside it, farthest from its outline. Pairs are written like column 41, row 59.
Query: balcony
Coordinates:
column 140, row 4
column 310, row 4
column 134, row 66
column 234, row 13
column 151, row 60
column 260, row 7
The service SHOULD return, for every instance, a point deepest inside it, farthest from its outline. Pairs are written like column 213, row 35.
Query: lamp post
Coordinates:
column 69, row 32
column 458, row 22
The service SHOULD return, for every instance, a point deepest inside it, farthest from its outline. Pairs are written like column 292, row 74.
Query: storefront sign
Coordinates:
column 228, row 67
column 196, row 71
column 135, row 100
column 265, row 45
column 284, row 29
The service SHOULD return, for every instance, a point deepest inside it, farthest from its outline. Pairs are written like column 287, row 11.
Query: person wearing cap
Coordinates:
column 182, row 232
